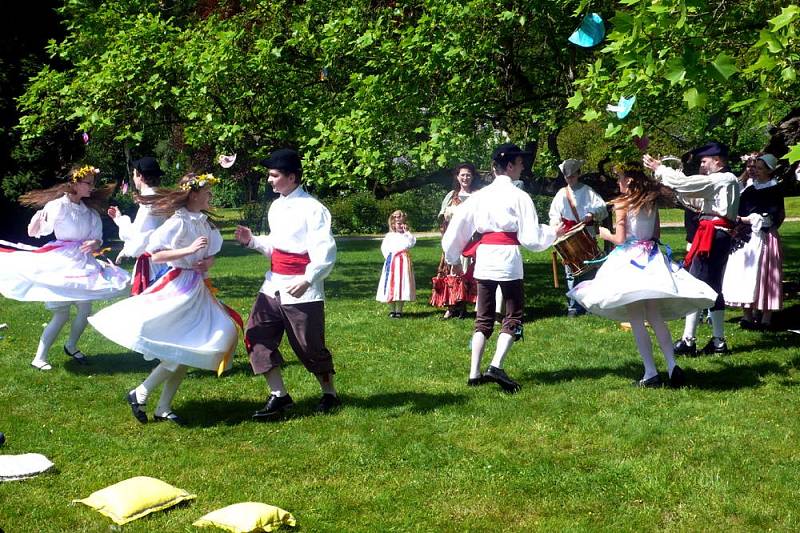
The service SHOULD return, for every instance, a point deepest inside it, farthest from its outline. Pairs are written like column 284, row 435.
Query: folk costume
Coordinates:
column 397, row 282
column 59, row 273
column 718, row 197
column 506, row 218
column 754, row 273
column 570, row 206
column 449, row 289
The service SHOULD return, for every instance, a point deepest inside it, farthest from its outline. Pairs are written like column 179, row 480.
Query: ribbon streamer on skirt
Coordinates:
column 397, row 256
column 650, row 246
column 142, row 278
column 237, row 319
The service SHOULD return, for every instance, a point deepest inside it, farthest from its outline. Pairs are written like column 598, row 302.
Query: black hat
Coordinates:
column 711, row 149
column 148, row 166
column 284, row 159
column 507, row 152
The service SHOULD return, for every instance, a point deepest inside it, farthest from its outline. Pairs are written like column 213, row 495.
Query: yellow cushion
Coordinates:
column 134, row 498
column 247, row 517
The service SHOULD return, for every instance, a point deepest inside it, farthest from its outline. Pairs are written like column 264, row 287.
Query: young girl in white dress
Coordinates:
column 64, row 272
column 637, row 282
column 397, row 284
column 177, row 320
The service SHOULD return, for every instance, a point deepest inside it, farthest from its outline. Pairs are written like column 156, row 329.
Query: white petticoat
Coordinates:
column 177, row 320
column 639, row 271
column 57, row 272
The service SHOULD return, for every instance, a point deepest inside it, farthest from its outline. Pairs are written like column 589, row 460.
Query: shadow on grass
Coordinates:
column 734, row 377
column 198, row 413
column 631, row 371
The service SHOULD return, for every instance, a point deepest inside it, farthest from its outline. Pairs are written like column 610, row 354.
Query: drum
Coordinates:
column 577, row 246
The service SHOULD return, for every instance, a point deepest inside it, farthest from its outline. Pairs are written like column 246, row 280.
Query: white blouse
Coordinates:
column 135, row 233
column 181, row 230
column 395, row 242
column 68, row 220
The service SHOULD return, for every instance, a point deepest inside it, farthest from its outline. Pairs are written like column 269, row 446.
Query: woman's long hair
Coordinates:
column 643, row 191
column 472, row 184
column 97, row 200
column 164, row 202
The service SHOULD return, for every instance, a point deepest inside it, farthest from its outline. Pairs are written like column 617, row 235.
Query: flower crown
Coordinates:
column 198, row 182
column 621, row 168
column 84, row 171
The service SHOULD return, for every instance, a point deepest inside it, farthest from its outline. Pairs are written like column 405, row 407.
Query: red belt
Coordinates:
column 492, row 237
column 141, row 279
column 704, row 237
column 568, row 224
column 289, row 264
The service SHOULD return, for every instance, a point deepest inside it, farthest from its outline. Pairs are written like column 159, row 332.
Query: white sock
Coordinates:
column 504, row 343
column 159, row 375
column 642, row 338
column 718, row 323
column 51, row 331
column 398, row 307
column 690, row 326
column 84, row 309
column 164, row 406
column 477, row 346
column 498, row 301
column 275, row 382
column 662, row 333
column 326, row 383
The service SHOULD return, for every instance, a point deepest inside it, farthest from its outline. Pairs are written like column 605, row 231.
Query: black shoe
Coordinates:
column 170, row 417
column 136, row 408
column 274, row 408
column 713, row 349
column 476, row 382
column 397, row 315
column 499, row 376
column 678, row 378
column 651, row 383
column 749, row 324
column 685, row 348
column 328, row 403
column 78, row 355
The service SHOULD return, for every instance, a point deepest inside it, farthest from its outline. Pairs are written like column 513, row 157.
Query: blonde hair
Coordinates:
column 397, row 216
column 97, row 200
column 643, row 191
column 164, row 202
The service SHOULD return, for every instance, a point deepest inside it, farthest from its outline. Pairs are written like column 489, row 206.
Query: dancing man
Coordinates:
column 302, row 252
column 506, row 218
column 717, row 190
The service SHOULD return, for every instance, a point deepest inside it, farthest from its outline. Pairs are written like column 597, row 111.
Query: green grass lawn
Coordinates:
column 413, row 448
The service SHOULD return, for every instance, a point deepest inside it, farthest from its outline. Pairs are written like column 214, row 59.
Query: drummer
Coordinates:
column 573, row 204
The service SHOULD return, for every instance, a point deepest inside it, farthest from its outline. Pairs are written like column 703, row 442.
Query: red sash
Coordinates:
column 289, row 264
column 43, row 249
column 492, row 237
column 141, row 278
column 704, row 237
column 568, row 224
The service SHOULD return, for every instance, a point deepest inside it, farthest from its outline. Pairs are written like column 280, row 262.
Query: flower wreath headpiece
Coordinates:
column 621, row 168
column 84, row 171
column 198, row 182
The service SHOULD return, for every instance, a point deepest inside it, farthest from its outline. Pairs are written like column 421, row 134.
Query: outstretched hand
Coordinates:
column 113, row 212
column 243, row 235
column 650, row 162
column 561, row 230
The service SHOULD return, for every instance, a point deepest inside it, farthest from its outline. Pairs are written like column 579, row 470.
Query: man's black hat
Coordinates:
column 148, row 166
column 506, row 153
column 711, row 149
column 283, row 159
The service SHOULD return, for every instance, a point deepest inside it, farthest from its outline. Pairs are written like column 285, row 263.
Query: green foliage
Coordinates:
column 229, row 193
column 355, row 213
column 254, row 216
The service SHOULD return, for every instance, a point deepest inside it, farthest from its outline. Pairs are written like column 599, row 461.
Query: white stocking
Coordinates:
column 275, row 382
column 51, row 331
column 662, row 333
column 159, row 375
column 478, row 345
column 84, row 309
column 504, row 343
column 164, row 406
column 643, row 343
column 718, row 323
column 690, row 326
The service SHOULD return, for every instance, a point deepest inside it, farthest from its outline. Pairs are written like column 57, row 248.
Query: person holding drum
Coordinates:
column 505, row 217
column 574, row 205
column 637, row 282
column 717, row 190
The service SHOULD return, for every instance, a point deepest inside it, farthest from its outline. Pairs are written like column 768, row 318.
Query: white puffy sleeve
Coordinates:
column 320, row 244
column 166, row 236
column 44, row 221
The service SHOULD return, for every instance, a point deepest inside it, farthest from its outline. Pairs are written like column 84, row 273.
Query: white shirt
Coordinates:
column 395, row 242
column 587, row 201
column 68, row 220
column 717, row 193
column 447, row 209
column 135, row 234
column 179, row 231
column 298, row 224
column 498, row 207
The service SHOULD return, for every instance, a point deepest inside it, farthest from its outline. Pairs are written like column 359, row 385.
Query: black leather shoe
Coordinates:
column 274, row 408
column 499, row 376
column 78, row 355
column 678, row 378
column 328, row 403
column 136, row 408
column 476, row 382
column 170, row 417
column 713, row 349
column 651, row 383
column 685, row 348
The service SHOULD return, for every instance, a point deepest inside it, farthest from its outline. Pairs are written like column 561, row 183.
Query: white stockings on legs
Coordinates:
column 690, row 326
column 504, row 343
column 326, row 383
column 159, row 375
column 175, row 378
column 636, row 313
column 662, row 333
column 51, row 331
column 275, row 382
column 477, row 346
column 84, row 309
column 718, row 325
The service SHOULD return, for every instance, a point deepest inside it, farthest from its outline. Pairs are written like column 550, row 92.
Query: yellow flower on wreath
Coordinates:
column 198, row 182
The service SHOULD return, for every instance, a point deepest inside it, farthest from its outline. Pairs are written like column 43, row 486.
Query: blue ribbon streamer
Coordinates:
column 387, row 267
